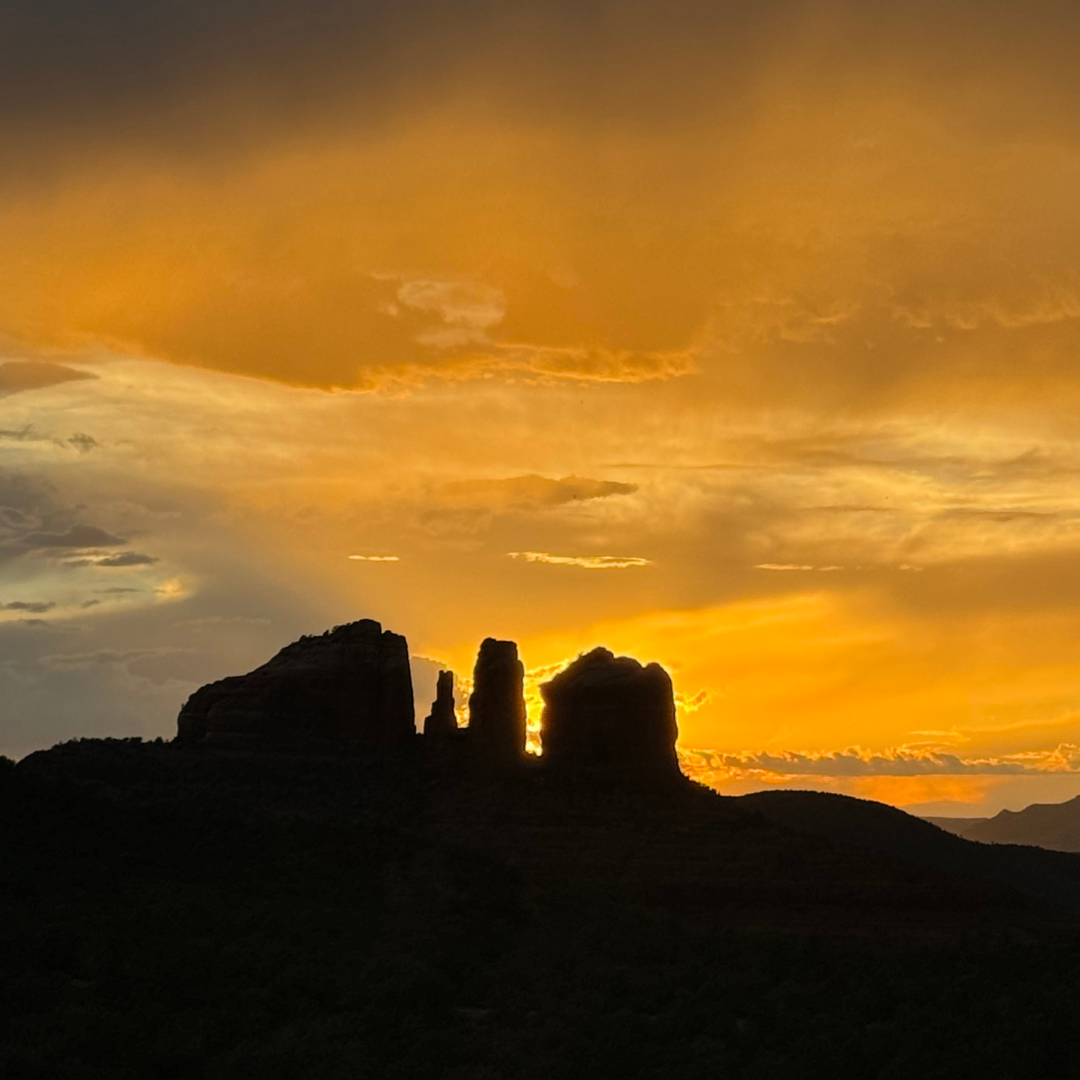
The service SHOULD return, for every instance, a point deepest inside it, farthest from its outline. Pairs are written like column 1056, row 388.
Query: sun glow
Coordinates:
column 748, row 346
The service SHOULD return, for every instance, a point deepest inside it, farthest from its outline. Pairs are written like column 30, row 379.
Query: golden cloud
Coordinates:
column 586, row 562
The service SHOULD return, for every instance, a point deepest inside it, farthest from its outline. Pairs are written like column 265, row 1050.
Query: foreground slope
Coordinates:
column 183, row 913
column 873, row 826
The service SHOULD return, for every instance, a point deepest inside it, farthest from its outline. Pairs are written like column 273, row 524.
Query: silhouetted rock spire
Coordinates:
column 497, row 703
column 351, row 685
column 442, row 721
column 605, row 710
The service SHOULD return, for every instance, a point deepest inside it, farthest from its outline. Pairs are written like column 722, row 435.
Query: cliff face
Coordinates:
column 609, row 711
column 351, row 685
column 497, row 703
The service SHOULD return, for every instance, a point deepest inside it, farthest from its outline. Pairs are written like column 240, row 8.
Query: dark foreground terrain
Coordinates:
column 183, row 913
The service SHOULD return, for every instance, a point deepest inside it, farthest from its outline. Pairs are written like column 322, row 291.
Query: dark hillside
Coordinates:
column 875, row 827
column 181, row 913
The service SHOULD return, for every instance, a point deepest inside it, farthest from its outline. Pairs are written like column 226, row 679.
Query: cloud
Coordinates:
column 125, row 558
column 17, row 376
column 693, row 703
column 843, row 509
column 465, row 310
column 1004, row 514
column 83, row 443
column 546, row 211
column 28, row 505
column 33, row 517
column 534, row 364
column 170, row 665
column 75, row 536
column 801, row 566
column 24, row 434
column 95, row 658
column 587, row 562
column 158, row 665
column 211, row 622
column 856, row 762
column 715, row 767
column 375, row 558
column 592, row 364
column 533, row 491
column 29, row 434
column 34, row 607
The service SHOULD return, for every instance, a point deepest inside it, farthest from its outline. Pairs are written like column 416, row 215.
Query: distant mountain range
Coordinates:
column 1055, row 826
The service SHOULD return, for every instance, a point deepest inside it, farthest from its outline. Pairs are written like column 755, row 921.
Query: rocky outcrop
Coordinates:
column 349, row 686
column 497, row 704
column 442, row 721
column 609, row 711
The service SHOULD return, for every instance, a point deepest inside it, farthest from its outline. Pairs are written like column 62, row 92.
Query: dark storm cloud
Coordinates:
column 23, row 496
column 99, row 656
column 28, row 505
column 147, row 68
column 34, row 518
column 71, row 62
column 249, row 185
column 75, row 536
column 159, row 665
column 230, row 73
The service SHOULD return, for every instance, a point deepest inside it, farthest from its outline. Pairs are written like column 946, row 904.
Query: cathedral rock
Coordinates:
column 348, row 687
column 497, row 704
column 609, row 711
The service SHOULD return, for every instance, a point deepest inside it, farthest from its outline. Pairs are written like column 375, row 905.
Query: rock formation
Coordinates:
column 607, row 710
column 497, row 703
column 349, row 686
column 442, row 720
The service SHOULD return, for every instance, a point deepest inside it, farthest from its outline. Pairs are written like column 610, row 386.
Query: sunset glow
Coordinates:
column 742, row 338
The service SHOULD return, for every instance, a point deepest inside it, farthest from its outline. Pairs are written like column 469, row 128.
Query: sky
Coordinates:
column 743, row 337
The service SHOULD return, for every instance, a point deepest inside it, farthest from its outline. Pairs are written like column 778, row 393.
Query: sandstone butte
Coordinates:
column 441, row 722
column 350, row 689
column 608, row 711
column 351, row 685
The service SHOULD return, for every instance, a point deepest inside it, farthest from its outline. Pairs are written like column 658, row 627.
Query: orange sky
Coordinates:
column 741, row 338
